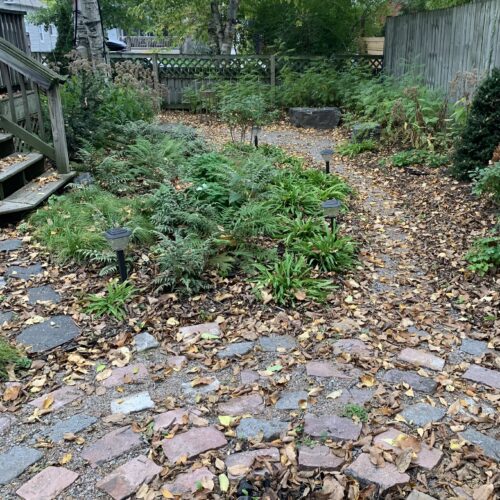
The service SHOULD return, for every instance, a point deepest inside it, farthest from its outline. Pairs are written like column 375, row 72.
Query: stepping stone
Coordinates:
column 189, row 390
column 207, row 330
column 422, row 414
column 345, row 326
column 133, row 403
column 277, row 343
column 250, row 403
column 416, row 331
column 474, row 347
column 111, row 445
column 483, row 376
column 15, row 461
column 490, row 446
column 328, row 369
column 385, row 477
column 5, row 317
column 414, row 380
column 291, row 400
column 72, row 425
column 249, row 377
column 252, row 428
column 236, row 349
column 48, row 484
column 165, row 420
column 418, row 495
column 421, row 358
column 60, row 397
column 319, row 457
column 145, row 341
column 332, row 426
column 188, row 482
column 176, row 362
column 43, row 294
column 5, row 423
column 475, row 407
column 51, row 333
column 24, row 273
column 125, row 480
column 427, row 457
column 239, row 464
column 356, row 396
column 130, row 374
column 351, row 346
column 10, row 245
column 193, row 442
column 3, row 283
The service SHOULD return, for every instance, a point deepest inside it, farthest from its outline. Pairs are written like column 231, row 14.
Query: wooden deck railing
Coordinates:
column 151, row 42
column 23, row 79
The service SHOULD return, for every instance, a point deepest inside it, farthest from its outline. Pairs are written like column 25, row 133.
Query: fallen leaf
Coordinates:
column 223, row 482
column 65, row 458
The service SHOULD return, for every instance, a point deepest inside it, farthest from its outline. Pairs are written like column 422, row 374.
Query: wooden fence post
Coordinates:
column 156, row 74
column 272, row 61
column 58, row 131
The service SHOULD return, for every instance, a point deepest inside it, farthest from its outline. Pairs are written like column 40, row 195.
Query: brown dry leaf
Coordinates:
column 103, row 375
column 47, row 402
column 166, row 493
column 367, row 380
column 201, row 381
column 376, row 457
column 403, row 460
column 484, row 492
column 67, row 457
column 404, row 442
column 238, row 470
column 12, row 392
column 332, row 489
column 300, row 295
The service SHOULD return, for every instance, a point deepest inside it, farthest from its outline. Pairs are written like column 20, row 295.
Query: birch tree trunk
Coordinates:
column 89, row 33
column 223, row 30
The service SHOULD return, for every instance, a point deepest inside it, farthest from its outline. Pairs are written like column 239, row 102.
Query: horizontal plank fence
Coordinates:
column 450, row 48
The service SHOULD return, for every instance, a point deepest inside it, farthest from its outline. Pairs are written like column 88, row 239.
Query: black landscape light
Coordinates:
column 327, row 155
column 256, row 130
column 331, row 210
column 118, row 239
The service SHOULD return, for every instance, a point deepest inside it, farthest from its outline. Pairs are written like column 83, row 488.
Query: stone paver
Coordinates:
column 251, row 428
column 332, row 426
column 10, row 245
column 48, row 484
column 418, row 495
column 43, row 294
column 192, row 443
column 51, row 333
column 188, row 482
column 474, row 347
column 236, row 349
column 384, row 477
column 426, row 458
column 414, row 380
column 277, row 343
column 111, row 445
column 189, row 390
column 165, row 420
column 72, row 425
column 133, row 403
column 329, row 369
column 249, row 377
column 352, row 346
column 60, row 397
column 483, row 376
column 145, row 341
column 476, row 407
column 422, row 414
column 356, row 396
column 130, row 374
column 24, row 273
column 125, row 480
column 249, row 403
column 291, row 400
column 15, row 461
column 490, row 446
column 239, row 464
column 319, row 457
column 176, row 362
column 421, row 358
column 3, row 283
column 188, row 333
column 5, row 423
column 6, row 316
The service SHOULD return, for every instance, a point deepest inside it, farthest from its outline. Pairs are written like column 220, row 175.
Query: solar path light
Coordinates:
column 256, row 130
column 118, row 238
column 331, row 210
column 327, row 155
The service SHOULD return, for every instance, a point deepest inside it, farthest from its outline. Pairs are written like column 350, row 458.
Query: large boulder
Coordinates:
column 319, row 118
column 366, row 131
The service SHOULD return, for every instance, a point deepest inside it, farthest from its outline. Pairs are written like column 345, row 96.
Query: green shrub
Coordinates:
column 418, row 157
column 301, row 229
column 10, row 357
column 352, row 149
column 355, row 411
column 113, row 302
column 474, row 148
column 485, row 255
column 488, row 182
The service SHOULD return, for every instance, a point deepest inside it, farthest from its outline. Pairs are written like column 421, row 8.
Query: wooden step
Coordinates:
column 19, row 166
column 35, row 192
column 7, row 146
column 5, row 137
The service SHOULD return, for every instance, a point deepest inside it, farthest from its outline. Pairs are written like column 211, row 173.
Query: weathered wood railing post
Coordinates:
column 272, row 66
column 58, row 130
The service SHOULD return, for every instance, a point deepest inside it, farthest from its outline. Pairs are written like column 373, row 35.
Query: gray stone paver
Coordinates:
column 251, row 428
column 236, row 349
column 413, row 379
column 291, row 400
column 187, row 482
column 422, row 414
column 238, row 464
column 24, row 273
column 489, row 445
column 332, row 426
column 43, row 294
column 5, row 422
column 351, row 346
column 133, row 373
column 133, row 403
column 421, row 358
column 72, row 425
column 242, row 405
column 189, row 390
column 474, row 347
column 6, row 316
column 145, row 341
column 483, row 376
column 277, row 343
column 10, row 245
column 15, row 461
column 60, row 397
column 319, row 457
column 188, row 333
column 418, row 495
column 47, row 484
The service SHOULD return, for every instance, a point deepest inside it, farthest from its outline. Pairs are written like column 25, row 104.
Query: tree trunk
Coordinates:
column 223, row 30
column 89, row 34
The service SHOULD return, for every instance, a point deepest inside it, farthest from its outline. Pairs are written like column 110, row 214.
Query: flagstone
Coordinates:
column 352, row 346
column 291, row 400
column 165, row 420
column 484, row 376
column 189, row 482
column 60, row 397
column 332, row 370
column 239, row 464
column 252, row 428
column 241, row 405
column 189, row 390
column 176, row 362
column 145, row 341
column 43, row 294
column 318, row 457
column 72, row 425
column 332, row 426
column 15, row 461
column 474, row 347
column 422, row 414
column 414, row 380
column 236, row 349
column 421, row 358
column 489, row 445
column 277, row 343
column 186, row 333
column 47, row 484
column 10, row 245
column 130, row 374
column 133, row 403
column 24, row 273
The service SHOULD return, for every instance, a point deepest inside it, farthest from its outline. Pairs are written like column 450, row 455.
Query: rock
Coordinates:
column 51, row 333
column 125, row 480
column 130, row 374
column 483, row 376
column 251, row 428
column 351, row 346
column 414, row 380
column 250, row 403
column 236, row 349
column 249, row 377
column 489, row 445
column 291, row 400
column 332, row 426
column 189, row 390
column 111, row 445
column 5, row 423
column 418, row 495
column 10, row 245
column 6, row 317
column 422, row 414
column 145, row 341
column 318, row 118
column 133, row 403
column 192, row 443
column 72, row 425
column 366, row 132
column 43, row 294
column 331, row 370
column 24, row 273
column 384, row 477
column 277, row 343
column 173, row 417
column 474, row 347
column 319, row 457
column 187, row 333
column 176, row 362
column 475, row 407
column 60, row 397
column 356, row 396
column 189, row 482
column 15, row 461
column 3, row 283
column 48, row 484
column 239, row 464
column 421, row 358
column 84, row 179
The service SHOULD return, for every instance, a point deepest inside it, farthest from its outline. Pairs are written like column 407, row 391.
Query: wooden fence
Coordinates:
column 451, row 48
column 175, row 73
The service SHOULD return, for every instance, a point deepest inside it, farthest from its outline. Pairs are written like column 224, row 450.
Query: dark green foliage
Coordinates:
column 113, row 302
column 474, row 148
column 352, row 149
column 10, row 357
column 356, row 411
column 418, row 157
column 484, row 256
column 487, row 182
